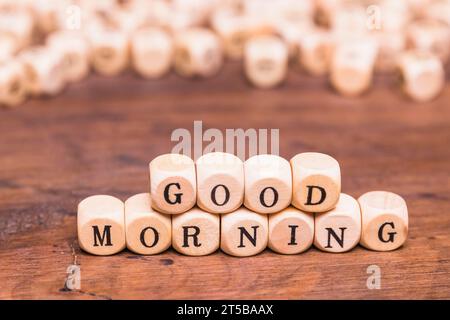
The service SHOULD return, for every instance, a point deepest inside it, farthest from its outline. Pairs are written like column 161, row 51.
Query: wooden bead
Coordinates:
column 196, row 232
column 384, row 220
column 266, row 60
column 338, row 230
column 316, row 49
column 12, row 84
column 423, row 75
column 172, row 183
column 316, row 182
column 268, row 183
column 198, row 52
column 244, row 233
column 220, row 182
column 101, row 225
column 147, row 231
column 291, row 231
column 152, row 52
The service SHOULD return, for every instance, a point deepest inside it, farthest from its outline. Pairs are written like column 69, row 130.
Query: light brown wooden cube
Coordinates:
column 244, row 233
column 151, row 52
column 384, row 220
column 196, row 232
column 268, row 183
column 12, row 84
column 220, row 182
column 266, row 61
column 173, row 183
column 291, row 31
column 316, row 49
column 338, row 230
column 18, row 23
column 291, row 231
column 101, row 225
column 316, row 182
column 423, row 75
column 147, row 231
column 390, row 47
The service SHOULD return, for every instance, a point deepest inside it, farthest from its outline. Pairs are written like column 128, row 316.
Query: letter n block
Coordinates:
column 101, row 225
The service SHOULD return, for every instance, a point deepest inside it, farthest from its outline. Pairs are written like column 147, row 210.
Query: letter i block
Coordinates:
column 384, row 220
column 339, row 230
column 172, row 183
column 244, row 233
column 316, row 179
column 147, row 231
column 101, row 225
column 220, row 182
column 196, row 232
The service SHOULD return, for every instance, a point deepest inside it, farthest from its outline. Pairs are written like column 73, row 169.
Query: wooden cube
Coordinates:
column 316, row 49
column 220, row 182
column 291, row 231
column 316, row 182
column 151, row 52
column 390, row 47
column 9, row 46
column 198, row 52
column 172, row 183
column 101, row 225
column 147, row 231
column 438, row 10
column 12, row 84
column 291, row 31
column 384, row 220
column 266, row 61
column 244, row 233
column 268, row 183
column 422, row 74
column 196, row 232
column 338, row 230
column 18, row 23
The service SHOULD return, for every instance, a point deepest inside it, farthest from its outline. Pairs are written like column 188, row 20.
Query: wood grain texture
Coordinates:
column 99, row 135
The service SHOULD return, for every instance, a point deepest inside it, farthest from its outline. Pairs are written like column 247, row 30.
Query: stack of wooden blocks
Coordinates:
column 219, row 201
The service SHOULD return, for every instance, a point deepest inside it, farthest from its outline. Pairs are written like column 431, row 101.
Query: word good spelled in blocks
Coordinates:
column 242, row 208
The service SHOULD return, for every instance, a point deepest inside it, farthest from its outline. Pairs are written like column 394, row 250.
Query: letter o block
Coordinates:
column 220, row 182
column 268, row 183
column 147, row 231
column 244, row 233
column 316, row 179
column 384, row 220
column 196, row 232
column 172, row 183
column 101, row 225
column 339, row 230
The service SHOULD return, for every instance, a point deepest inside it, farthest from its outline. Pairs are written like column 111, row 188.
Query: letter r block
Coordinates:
column 172, row 183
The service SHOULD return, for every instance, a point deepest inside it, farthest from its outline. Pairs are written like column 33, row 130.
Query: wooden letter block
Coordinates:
column 147, row 231
column 316, row 179
column 172, row 183
column 101, row 225
column 339, row 230
column 12, row 84
column 268, row 183
column 196, row 232
column 384, row 220
column 244, row 233
column 316, row 49
column 220, row 182
column 291, row 231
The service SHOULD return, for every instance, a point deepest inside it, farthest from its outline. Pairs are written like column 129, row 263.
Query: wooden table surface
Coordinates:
column 99, row 135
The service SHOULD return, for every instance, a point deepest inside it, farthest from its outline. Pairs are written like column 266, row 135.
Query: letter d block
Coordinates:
column 172, row 183
column 101, row 225
column 316, row 182
column 384, row 220
column 147, row 231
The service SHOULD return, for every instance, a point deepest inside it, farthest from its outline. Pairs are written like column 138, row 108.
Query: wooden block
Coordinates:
column 316, row 182
column 291, row 231
column 422, row 74
column 266, row 60
column 9, row 45
column 390, row 47
column 338, row 230
column 220, row 182
column 437, row 10
column 18, row 23
column 152, row 52
column 12, row 84
column 196, row 232
column 291, row 31
column 316, row 50
column 244, row 233
column 198, row 52
column 147, row 231
column 101, row 225
column 268, row 183
column 384, row 220
column 172, row 183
